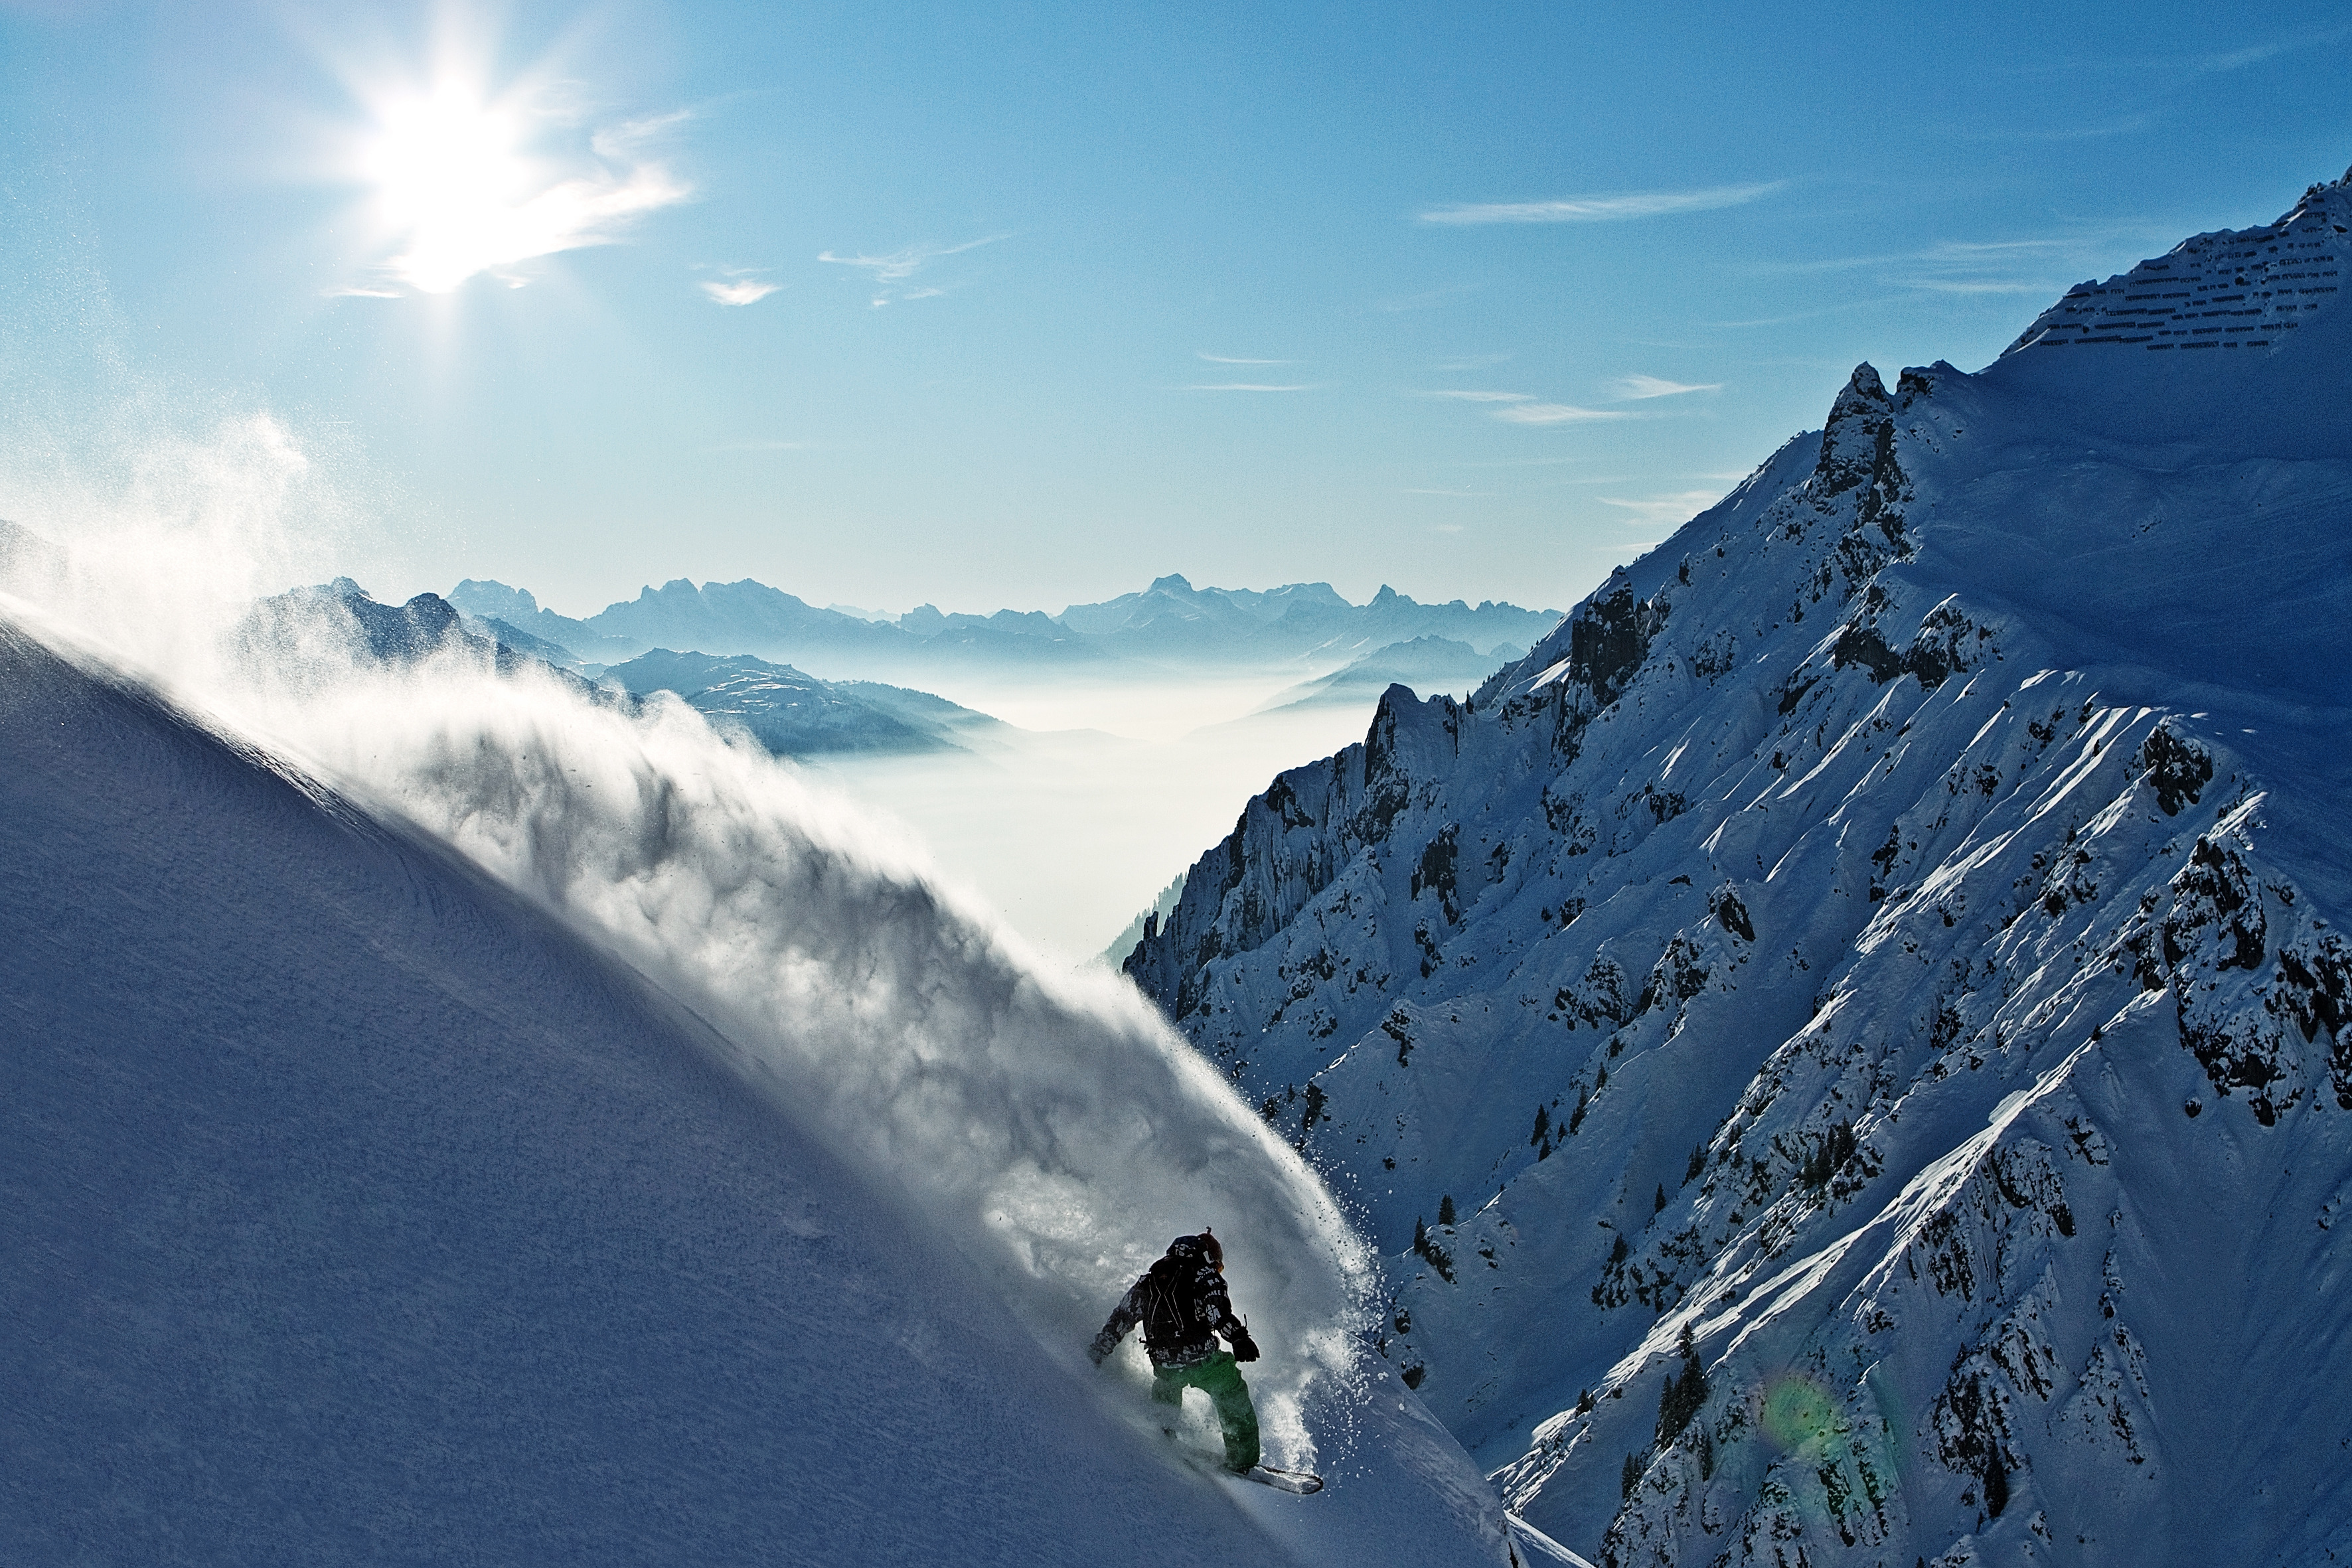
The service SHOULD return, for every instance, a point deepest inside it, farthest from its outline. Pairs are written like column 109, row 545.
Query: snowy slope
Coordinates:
column 361, row 1207
column 1891, row 932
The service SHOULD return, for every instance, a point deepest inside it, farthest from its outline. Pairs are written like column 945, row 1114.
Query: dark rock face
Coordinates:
column 2177, row 769
column 1944, row 642
column 1289, row 843
column 1436, row 872
column 1609, row 635
column 342, row 618
column 403, row 635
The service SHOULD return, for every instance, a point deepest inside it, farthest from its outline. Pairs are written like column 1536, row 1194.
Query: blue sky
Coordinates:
column 1018, row 305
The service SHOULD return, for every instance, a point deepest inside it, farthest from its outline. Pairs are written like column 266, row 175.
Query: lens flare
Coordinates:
column 1799, row 1416
column 1836, row 1466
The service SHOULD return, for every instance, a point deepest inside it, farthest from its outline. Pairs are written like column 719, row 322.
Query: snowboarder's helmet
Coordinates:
column 1203, row 1244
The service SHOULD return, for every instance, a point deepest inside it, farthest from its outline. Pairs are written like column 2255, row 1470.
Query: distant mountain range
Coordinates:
column 1428, row 665
column 1170, row 622
column 791, row 713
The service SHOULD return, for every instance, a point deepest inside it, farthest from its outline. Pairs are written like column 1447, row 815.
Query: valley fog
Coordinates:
column 1109, row 789
column 1063, row 767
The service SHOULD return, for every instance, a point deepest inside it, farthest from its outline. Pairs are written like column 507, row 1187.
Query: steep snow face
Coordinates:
column 358, row 1209
column 356, row 1212
column 1890, row 933
column 1048, row 1119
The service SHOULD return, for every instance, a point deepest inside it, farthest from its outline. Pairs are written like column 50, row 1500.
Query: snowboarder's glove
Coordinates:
column 1100, row 1350
column 1244, row 1347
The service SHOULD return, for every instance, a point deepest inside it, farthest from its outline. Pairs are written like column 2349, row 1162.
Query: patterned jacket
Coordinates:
column 1182, row 1304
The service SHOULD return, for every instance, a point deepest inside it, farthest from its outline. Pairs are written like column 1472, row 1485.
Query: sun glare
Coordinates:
column 470, row 181
column 449, row 173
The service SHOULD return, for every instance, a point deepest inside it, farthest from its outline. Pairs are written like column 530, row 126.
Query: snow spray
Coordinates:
column 1045, row 1119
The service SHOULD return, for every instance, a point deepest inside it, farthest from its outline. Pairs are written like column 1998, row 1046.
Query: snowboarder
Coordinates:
column 1182, row 1306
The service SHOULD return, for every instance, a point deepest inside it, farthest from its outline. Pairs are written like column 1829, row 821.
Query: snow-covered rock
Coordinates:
column 797, row 715
column 1891, row 934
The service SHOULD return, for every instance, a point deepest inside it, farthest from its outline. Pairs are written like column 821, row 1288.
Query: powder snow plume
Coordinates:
column 1048, row 1120
column 1045, row 1121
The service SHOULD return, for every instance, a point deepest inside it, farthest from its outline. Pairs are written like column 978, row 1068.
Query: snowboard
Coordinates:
column 1298, row 1482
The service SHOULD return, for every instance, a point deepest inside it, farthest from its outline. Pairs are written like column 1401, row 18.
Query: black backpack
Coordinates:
column 1172, row 1302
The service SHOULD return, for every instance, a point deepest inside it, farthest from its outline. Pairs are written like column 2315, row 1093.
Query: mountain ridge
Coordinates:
column 1880, row 908
column 1170, row 622
column 794, row 714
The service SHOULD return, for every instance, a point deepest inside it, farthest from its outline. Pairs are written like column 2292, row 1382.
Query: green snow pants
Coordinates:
column 1221, row 1380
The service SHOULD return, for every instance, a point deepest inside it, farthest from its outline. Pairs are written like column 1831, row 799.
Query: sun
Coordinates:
column 450, row 176
column 470, row 178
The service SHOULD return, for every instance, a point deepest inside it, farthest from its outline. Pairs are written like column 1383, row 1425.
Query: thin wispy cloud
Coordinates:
column 739, row 286
column 888, row 270
column 1553, row 462
column 1943, row 253
column 2255, row 54
column 2219, row 62
column 1980, row 286
column 1228, row 359
column 1841, row 308
column 1639, row 388
column 1603, row 209
column 2034, row 264
column 1251, row 386
column 2062, row 134
column 1554, row 414
column 1466, row 394
column 2041, row 264
column 744, row 293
